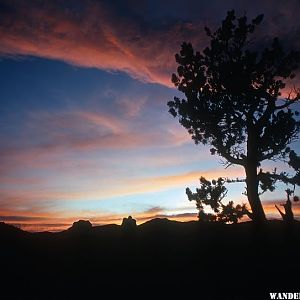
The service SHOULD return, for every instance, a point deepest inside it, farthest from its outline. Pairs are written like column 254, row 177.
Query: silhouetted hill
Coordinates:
column 209, row 261
column 157, row 223
column 6, row 229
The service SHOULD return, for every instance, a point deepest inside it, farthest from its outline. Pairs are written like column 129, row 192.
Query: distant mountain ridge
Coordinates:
column 159, row 255
column 86, row 225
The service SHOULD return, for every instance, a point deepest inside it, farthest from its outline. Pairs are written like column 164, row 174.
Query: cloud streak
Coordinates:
column 92, row 40
column 64, row 132
column 90, row 36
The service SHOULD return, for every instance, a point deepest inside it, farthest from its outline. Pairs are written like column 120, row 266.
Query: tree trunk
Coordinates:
column 258, row 214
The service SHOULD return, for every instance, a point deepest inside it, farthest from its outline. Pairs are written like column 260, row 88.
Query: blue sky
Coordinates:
column 85, row 129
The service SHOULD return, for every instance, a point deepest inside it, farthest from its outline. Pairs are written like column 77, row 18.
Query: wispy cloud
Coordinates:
column 41, row 198
column 91, row 38
column 64, row 132
column 132, row 107
column 98, row 35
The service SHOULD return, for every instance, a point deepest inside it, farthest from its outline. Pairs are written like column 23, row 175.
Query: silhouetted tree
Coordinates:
column 288, row 215
column 234, row 101
column 211, row 193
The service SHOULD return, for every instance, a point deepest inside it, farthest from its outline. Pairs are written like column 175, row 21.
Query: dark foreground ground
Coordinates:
column 160, row 259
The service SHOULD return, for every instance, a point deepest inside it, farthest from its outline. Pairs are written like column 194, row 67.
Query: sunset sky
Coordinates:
column 85, row 129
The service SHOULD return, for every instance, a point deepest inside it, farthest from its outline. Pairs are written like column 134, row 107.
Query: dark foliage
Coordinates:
column 211, row 194
column 234, row 102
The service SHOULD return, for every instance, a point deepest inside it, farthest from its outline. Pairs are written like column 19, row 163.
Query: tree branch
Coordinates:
column 233, row 160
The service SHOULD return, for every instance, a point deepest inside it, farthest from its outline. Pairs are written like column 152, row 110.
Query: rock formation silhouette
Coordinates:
column 81, row 226
column 129, row 224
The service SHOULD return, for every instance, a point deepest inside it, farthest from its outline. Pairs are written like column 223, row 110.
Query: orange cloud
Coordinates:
column 101, row 120
column 190, row 177
column 94, row 39
column 153, row 184
column 98, row 37
column 41, row 197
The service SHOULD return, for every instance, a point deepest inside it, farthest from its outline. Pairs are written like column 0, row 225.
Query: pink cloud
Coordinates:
column 61, row 132
column 99, row 37
column 114, row 124
column 95, row 39
column 132, row 107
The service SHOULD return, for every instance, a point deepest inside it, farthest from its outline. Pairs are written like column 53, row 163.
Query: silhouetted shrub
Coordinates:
column 210, row 194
